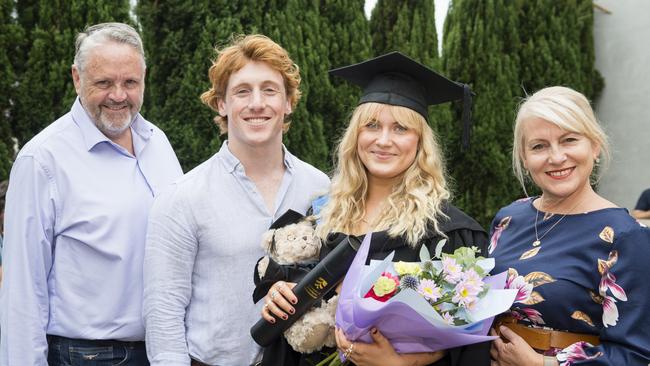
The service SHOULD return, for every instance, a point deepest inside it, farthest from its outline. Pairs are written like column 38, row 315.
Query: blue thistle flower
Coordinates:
column 409, row 281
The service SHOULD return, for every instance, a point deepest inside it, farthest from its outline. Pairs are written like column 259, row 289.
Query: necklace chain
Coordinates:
column 538, row 239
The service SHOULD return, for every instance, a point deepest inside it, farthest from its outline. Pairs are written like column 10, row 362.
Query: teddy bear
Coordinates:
column 291, row 244
column 315, row 329
column 293, row 249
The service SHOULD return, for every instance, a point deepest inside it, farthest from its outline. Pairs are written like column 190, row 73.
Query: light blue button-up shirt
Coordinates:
column 203, row 242
column 75, row 225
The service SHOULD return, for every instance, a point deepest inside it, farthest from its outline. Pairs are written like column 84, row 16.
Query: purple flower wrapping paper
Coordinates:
column 407, row 319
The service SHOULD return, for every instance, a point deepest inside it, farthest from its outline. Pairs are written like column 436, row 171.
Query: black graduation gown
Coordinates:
column 461, row 230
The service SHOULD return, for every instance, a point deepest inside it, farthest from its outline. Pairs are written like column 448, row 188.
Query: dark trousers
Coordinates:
column 82, row 352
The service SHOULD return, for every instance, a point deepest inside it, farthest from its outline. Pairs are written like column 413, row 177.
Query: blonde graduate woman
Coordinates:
column 390, row 180
column 580, row 262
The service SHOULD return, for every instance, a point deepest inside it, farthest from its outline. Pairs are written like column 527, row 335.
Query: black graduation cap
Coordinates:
column 396, row 79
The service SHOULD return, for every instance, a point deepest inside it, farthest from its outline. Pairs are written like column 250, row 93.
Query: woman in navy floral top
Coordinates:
column 581, row 263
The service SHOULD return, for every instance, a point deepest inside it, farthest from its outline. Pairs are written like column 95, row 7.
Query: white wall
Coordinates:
column 622, row 41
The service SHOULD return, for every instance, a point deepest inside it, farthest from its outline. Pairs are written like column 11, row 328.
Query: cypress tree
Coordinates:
column 346, row 37
column 480, row 49
column 296, row 25
column 382, row 20
column 595, row 81
column 45, row 90
column 557, row 46
column 179, row 39
column 10, row 35
column 6, row 160
column 408, row 26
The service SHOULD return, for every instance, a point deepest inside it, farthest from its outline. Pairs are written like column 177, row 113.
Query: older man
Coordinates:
column 76, row 216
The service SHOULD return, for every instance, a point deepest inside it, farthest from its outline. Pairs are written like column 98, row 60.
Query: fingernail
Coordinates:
column 272, row 321
column 374, row 331
column 294, row 302
column 285, row 317
column 291, row 311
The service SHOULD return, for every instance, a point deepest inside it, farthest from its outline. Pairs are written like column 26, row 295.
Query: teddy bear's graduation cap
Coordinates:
column 396, row 79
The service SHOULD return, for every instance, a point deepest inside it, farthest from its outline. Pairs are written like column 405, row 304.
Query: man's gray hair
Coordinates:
column 98, row 34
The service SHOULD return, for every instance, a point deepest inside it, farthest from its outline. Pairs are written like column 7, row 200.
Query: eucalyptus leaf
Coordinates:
column 439, row 246
column 424, row 254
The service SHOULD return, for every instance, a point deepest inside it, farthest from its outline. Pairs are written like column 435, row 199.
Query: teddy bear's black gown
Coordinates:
column 461, row 230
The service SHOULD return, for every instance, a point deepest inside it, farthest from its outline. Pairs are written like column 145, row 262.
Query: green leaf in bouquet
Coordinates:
column 479, row 270
column 424, row 254
column 439, row 247
column 464, row 315
column 466, row 257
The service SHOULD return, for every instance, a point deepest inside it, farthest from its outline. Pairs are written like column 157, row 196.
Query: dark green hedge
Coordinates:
column 501, row 48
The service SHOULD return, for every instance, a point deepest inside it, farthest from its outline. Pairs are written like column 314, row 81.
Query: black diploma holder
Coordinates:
column 325, row 276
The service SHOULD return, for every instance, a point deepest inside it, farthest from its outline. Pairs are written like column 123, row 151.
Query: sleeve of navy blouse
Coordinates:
column 625, row 296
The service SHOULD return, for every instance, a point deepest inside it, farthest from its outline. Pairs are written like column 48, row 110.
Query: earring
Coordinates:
column 597, row 161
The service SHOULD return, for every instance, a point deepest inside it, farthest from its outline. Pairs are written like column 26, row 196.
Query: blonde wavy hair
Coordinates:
column 567, row 109
column 416, row 201
column 243, row 49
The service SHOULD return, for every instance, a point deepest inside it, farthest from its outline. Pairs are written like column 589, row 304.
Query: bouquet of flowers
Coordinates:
column 422, row 306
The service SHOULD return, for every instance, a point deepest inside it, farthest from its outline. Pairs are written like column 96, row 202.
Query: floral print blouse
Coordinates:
column 589, row 273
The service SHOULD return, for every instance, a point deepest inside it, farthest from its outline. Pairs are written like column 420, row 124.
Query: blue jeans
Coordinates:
column 81, row 352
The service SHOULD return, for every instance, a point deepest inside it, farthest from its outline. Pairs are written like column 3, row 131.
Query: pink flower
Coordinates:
column 529, row 314
column 575, row 352
column 524, row 289
column 516, row 314
column 608, row 281
column 610, row 311
column 466, row 294
column 452, row 270
column 448, row 318
column 512, row 274
column 384, row 288
column 503, row 224
column 534, row 316
column 473, row 278
column 429, row 290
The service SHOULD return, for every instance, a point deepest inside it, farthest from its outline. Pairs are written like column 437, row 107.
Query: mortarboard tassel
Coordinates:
column 466, row 117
